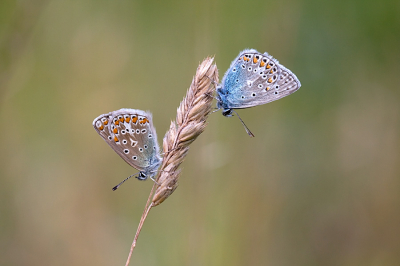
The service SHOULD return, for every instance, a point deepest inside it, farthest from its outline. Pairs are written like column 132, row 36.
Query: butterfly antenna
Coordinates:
column 245, row 127
column 117, row 186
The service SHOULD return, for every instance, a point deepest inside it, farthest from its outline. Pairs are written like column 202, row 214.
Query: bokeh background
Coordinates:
column 318, row 185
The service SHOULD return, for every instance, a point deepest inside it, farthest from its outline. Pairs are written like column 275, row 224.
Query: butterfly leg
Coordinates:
column 212, row 81
column 217, row 109
column 151, row 177
column 210, row 95
column 170, row 150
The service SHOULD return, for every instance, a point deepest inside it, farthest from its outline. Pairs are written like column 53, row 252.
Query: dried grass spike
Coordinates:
column 190, row 123
column 191, row 120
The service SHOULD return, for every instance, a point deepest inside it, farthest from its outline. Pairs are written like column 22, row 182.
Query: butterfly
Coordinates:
column 254, row 79
column 131, row 134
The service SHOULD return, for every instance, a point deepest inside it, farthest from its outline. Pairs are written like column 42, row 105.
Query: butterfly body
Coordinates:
column 254, row 79
column 131, row 134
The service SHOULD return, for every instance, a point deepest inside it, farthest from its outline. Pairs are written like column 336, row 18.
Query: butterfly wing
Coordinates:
column 254, row 79
column 131, row 134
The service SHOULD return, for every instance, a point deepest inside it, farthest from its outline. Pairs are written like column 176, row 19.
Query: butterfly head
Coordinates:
column 227, row 112
column 142, row 176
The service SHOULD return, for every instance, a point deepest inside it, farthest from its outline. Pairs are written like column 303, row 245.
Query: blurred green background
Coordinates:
column 318, row 185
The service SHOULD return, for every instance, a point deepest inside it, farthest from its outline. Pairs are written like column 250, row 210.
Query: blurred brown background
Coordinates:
column 318, row 185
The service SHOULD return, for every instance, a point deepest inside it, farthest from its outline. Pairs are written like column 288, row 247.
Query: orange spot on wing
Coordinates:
column 127, row 119
column 268, row 88
column 116, row 139
column 271, row 71
column 262, row 64
column 144, row 121
column 268, row 66
column 101, row 127
column 134, row 120
column 255, row 60
column 121, row 119
column 270, row 80
column 115, row 130
column 105, row 122
column 117, row 122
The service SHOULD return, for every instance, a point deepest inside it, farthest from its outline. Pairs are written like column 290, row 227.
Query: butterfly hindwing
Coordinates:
column 131, row 134
column 254, row 79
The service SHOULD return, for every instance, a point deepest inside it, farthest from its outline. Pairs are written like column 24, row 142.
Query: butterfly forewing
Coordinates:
column 131, row 134
column 255, row 79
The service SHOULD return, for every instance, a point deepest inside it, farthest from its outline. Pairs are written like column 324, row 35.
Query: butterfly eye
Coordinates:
column 276, row 93
column 141, row 149
column 144, row 131
column 255, row 70
column 145, row 146
column 243, row 66
column 126, row 151
column 123, row 131
column 124, row 141
column 137, row 131
column 109, row 137
column 243, row 97
column 237, row 81
column 264, row 77
column 249, row 69
column 134, row 158
column 150, row 136
column 234, row 69
column 277, row 87
column 260, row 86
column 154, row 147
column 253, row 94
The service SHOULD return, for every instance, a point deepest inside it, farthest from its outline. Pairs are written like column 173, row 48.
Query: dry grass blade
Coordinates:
column 190, row 123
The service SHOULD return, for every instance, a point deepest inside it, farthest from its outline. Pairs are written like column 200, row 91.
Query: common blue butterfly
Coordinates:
column 131, row 134
column 254, row 79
